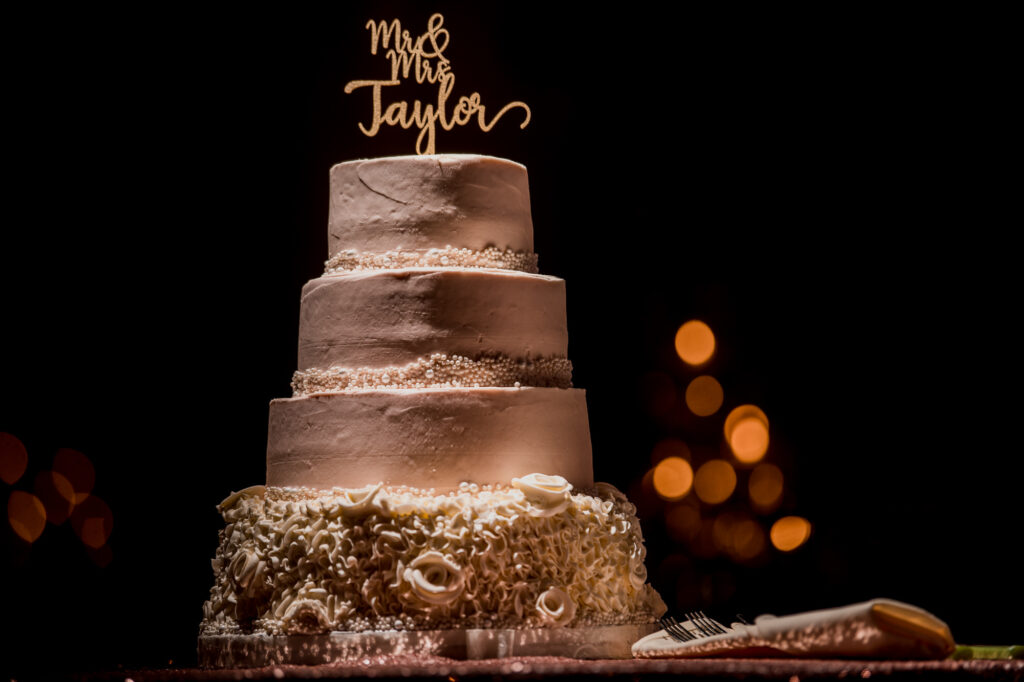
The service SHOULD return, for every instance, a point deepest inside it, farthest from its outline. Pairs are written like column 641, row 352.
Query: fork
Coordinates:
column 704, row 627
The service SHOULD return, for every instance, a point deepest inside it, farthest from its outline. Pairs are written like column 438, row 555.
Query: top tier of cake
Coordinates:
column 404, row 206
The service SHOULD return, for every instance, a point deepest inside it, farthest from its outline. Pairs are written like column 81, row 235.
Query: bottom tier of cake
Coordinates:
column 530, row 556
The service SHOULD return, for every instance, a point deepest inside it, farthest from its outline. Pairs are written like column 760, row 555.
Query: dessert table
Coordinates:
column 532, row 668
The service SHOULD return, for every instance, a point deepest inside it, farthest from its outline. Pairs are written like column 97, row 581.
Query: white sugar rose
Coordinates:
column 435, row 578
column 547, row 495
column 555, row 607
column 305, row 617
column 356, row 501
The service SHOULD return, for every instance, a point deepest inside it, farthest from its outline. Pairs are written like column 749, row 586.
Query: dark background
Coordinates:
column 830, row 191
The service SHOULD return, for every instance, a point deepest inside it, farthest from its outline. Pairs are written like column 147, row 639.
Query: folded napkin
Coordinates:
column 880, row 628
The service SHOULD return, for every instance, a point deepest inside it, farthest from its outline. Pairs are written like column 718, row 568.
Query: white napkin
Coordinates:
column 880, row 628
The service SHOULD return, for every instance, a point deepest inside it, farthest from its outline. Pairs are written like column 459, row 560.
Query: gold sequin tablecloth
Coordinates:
column 533, row 668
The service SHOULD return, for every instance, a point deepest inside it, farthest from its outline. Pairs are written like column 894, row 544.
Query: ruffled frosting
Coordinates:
column 532, row 554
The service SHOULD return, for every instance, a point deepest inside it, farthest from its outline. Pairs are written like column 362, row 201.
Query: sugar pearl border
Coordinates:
column 440, row 370
column 448, row 257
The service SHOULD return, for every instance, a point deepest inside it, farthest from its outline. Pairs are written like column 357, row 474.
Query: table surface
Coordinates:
column 529, row 668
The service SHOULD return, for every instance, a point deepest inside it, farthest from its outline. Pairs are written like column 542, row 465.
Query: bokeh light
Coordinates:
column 13, row 458
column 738, row 535
column 695, row 342
column 765, row 487
column 56, row 493
column 93, row 522
column 746, row 431
column 78, row 470
column 670, row 447
column 790, row 532
column 673, row 478
column 26, row 515
column 683, row 521
column 704, row 395
column 715, row 481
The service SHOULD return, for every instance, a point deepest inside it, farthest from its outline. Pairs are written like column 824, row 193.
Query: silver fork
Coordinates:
column 705, row 627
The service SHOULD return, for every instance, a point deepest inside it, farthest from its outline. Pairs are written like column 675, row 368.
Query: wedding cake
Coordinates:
column 429, row 483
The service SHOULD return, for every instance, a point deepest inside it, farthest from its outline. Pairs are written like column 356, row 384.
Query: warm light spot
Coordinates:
column 704, row 395
column 683, row 521
column 695, row 343
column 738, row 535
column 94, row 533
column 673, row 477
column 92, row 521
column 670, row 447
column 55, row 492
column 658, row 391
column 746, row 431
column 26, row 515
column 765, row 487
column 748, row 540
column 790, row 532
column 13, row 458
column 715, row 481
column 78, row 470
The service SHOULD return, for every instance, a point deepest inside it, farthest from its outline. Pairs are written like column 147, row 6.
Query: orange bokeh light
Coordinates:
column 695, row 342
column 56, row 493
column 683, row 521
column 673, row 478
column 26, row 515
column 765, row 487
column 78, row 470
column 670, row 447
column 715, row 481
column 13, row 458
column 790, row 532
column 704, row 395
column 746, row 431
column 738, row 535
column 92, row 521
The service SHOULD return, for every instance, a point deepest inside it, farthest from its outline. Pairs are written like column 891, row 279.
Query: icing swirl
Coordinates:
column 435, row 578
column 548, row 495
column 555, row 607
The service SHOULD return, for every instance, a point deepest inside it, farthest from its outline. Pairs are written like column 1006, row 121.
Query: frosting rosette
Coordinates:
column 555, row 607
column 357, row 501
column 547, row 495
column 435, row 578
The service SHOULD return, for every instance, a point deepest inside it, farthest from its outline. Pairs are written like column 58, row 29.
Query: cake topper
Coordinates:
column 422, row 58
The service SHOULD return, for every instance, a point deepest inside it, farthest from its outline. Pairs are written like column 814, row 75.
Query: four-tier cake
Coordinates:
column 429, row 483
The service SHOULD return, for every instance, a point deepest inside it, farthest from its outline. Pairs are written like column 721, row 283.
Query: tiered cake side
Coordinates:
column 430, row 353
column 433, row 385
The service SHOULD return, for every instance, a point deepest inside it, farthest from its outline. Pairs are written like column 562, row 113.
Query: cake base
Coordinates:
column 252, row 651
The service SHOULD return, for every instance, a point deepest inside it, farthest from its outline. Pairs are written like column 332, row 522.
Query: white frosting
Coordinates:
column 556, row 607
column 304, row 561
column 394, row 317
column 431, row 438
column 548, row 495
column 429, row 202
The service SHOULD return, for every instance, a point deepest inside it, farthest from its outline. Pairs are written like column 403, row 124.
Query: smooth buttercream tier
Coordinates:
column 396, row 317
column 536, row 553
column 430, row 201
column 430, row 438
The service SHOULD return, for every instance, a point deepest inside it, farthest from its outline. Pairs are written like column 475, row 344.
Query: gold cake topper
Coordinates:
column 423, row 59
